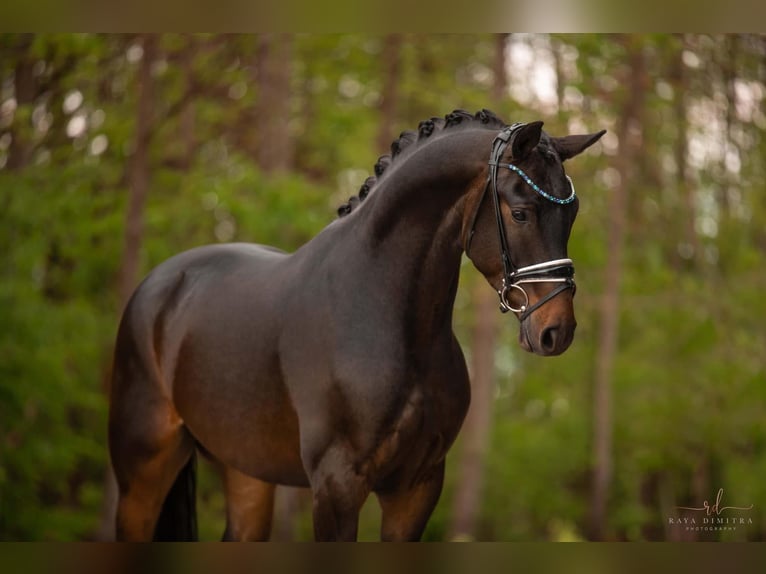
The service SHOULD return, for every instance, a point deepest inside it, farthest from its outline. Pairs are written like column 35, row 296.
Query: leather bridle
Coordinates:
column 559, row 271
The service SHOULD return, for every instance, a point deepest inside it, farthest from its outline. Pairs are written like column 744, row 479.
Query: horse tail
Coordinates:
column 178, row 518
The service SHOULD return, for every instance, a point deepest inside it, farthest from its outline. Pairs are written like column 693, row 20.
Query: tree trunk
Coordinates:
column 289, row 504
column 25, row 92
column 187, row 123
column 628, row 126
column 556, row 50
column 138, row 183
column 728, row 56
column 691, row 247
column 273, row 73
column 475, row 434
column 138, row 173
column 392, row 45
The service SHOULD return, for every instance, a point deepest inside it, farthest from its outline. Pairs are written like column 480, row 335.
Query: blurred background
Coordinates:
column 118, row 151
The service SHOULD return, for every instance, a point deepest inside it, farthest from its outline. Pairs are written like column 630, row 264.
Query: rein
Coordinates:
column 554, row 271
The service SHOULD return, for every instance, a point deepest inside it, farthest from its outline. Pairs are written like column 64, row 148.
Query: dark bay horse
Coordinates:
column 336, row 367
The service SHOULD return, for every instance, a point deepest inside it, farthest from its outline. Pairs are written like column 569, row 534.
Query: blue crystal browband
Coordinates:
column 537, row 188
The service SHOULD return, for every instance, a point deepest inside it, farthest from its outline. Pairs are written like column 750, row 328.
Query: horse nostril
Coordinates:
column 549, row 338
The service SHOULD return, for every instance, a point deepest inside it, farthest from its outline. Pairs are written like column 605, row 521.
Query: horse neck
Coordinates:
column 411, row 225
column 432, row 179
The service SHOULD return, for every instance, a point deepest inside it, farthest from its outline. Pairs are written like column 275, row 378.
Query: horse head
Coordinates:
column 516, row 229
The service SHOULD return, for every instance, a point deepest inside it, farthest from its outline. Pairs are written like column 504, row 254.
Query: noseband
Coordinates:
column 554, row 271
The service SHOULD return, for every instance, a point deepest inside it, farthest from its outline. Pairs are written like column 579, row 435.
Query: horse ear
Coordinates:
column 570, row 146
column 525, row 139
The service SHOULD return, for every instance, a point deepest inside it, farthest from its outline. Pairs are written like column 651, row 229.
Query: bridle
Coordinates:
column 554, row 271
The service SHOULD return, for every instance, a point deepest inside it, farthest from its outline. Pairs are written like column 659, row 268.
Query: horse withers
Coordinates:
column 336, row 367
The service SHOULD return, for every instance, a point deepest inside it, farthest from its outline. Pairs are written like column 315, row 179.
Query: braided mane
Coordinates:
column 426, row 128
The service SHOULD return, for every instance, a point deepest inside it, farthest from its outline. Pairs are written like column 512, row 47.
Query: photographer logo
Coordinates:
column 711, row 517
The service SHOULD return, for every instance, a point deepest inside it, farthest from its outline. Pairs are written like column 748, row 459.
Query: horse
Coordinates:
column 335, row 367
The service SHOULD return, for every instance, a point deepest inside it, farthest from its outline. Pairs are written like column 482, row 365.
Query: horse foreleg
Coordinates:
column 406, row 510
column 249, row 506
column 338, row 492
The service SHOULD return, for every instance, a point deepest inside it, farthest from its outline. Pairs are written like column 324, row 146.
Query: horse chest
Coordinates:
column 422, row 433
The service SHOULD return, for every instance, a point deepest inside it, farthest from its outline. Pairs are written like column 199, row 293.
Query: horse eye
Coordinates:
column 519, row 215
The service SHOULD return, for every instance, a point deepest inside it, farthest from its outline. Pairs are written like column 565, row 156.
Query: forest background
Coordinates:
column 118, row 151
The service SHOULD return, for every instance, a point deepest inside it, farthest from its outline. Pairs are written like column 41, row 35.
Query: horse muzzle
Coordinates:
column 553, row 338
column 551, row 330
